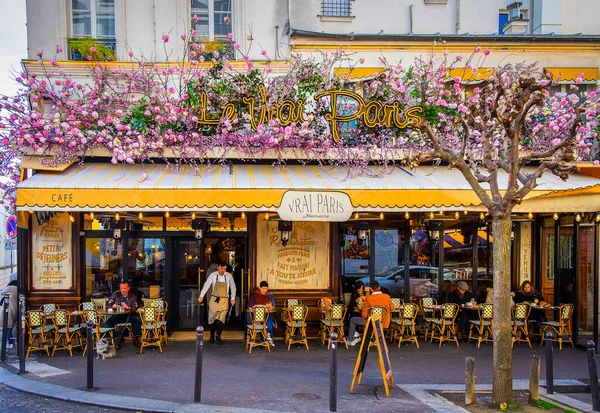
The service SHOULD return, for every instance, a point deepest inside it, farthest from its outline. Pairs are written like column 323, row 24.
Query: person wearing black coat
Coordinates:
column 461, row 296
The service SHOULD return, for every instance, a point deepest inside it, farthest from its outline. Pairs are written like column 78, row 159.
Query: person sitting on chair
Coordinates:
column 529, row 295
column 262, row 296
column 125, row 304
column 376, row 298
column 461, row 296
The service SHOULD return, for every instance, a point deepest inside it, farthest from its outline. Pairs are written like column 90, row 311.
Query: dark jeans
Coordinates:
column 134, row 319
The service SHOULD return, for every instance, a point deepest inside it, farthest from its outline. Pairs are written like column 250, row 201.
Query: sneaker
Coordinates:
column 356, row 335
column 270, row 341
column 10, row 345
column 354, row 342
column 218, row 340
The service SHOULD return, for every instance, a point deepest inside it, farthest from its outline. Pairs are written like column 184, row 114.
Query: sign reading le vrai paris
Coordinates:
column 315, row 206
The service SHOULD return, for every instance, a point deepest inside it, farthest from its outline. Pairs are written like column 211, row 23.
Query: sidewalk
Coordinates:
column 289, row 381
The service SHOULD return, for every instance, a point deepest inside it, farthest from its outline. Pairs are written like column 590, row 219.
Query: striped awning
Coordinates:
column 103, row 186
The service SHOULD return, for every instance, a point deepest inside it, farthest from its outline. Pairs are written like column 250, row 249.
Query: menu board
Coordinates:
column 52, row 254
column 302, row 264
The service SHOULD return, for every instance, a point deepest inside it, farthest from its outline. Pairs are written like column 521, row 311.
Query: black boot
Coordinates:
column 212, row 338
column 218, row 339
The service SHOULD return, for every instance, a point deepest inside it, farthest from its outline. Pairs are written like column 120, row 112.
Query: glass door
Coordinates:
column 146, row 267
column 188, row 276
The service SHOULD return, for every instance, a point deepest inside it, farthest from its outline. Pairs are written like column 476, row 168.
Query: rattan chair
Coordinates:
column 397, row 303
column 39, row 333
column 99, row 331
column 324, row 309
column 151, row 330
column 428, row 314
column 445, row 326
column 100, row 303
column 484, row 326
column 346, row 298
column 257, row 329
column 520, row 332
column 406, row 331
column 379, row 311
column 562, row 327
column 295, row 330
column 287, row 304
column 333, row 322
column 67, row 336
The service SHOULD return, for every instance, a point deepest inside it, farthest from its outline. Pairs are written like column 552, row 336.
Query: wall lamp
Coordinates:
column 361, row 232
column 199, row 225
column 286, row 228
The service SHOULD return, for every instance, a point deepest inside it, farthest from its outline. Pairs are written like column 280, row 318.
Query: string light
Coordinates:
column 243, row 215
column 577, row 217
column 381, row 215
column 555, row 216
column 431, row 215
column 530, row 215
column 482, row 216
column 266, row 216
column 356, row 215
column 167, row 215
column 219, row 215
column 92, row 216
column 117, row 217
column 456, row 215
column 406, row 215
column 71, row 218
column 465, row 212
column 193, row 215
column 140, row 216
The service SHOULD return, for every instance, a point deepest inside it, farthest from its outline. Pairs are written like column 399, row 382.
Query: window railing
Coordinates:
column 335, row 8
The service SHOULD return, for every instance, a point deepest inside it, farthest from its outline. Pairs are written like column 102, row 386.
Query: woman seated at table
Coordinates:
column 262, row 297
column 461, row 296
column 358, row 299
column 530, row 295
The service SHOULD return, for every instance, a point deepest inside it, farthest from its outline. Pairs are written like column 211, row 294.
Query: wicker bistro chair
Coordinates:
column 100, row 332
column 445, row 326
column 520, row 332
column 257, row 328
column 324, row 310
column 397, row 303
column 562, row 327
column 484, row 326
column 100, row 303
column 295, row 330
column 151, row 330
column 405, row 331
column 67, row 336
column 428, row 314
column 334, row 323
column 287, row 304
column 163, row 307
column 377, row 310
column 346, row 297
column 40, row 337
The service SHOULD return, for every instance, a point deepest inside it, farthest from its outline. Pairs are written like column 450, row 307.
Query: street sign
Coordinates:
column 10, row 244
column 11, row 226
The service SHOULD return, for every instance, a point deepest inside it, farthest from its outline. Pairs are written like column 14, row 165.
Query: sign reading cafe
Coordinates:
column 52, row 254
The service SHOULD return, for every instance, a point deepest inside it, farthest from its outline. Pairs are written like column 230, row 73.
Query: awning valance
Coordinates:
column 357, row 73
column 103, row 186
column 471, row 75
column 590, row 74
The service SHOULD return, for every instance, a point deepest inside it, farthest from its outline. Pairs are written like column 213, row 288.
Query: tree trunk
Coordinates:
column 502, row 384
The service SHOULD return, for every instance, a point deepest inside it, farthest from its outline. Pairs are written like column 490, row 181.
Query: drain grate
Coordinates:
column 306, row 396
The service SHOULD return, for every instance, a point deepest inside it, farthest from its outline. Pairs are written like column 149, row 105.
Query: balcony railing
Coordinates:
column 77, row 55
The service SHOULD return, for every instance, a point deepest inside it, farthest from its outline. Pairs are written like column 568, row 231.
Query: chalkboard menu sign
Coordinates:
column 374, row 330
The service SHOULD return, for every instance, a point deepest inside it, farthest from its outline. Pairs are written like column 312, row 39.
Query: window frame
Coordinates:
column 93, row 22
column 328, row 12
column 211, row 19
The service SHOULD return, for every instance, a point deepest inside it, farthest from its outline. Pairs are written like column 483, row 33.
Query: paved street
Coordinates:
column 12, row 401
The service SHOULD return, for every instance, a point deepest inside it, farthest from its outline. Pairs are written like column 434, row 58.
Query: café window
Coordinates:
column 213, row 18
column 103, row 266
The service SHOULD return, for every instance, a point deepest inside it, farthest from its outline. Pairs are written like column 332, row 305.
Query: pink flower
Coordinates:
column 457, row 80
column 130, row 54
column 53, row 62
column 236, row 45
column 59, row 49
column 92, row 49
column 269, row 70
column 362, row 60
column 194, row 32
column 182, row 37
column 477, row 49
column 246, row 58
column 192, row 54
column 230, row 36
column 263, row 52
column 165, row 38
column 89, row 58
column 195, row 18
column 486, row 52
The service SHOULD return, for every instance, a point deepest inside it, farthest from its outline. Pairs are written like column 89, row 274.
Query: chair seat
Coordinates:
column 439, row 321
column 123, row 325
column 296, row 324
column 103, row 330
column 408, row 322
column 520, row 323
column 551, row 323
column 335, row 323
column 259, row 326
column 396, row 320
column 429, row 320
column 72, row 329
column 46, row 329
column 477, row 322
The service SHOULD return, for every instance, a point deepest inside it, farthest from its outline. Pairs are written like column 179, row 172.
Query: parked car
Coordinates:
column 423, row 281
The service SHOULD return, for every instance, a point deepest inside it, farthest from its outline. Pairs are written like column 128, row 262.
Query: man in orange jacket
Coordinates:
column 377, row 298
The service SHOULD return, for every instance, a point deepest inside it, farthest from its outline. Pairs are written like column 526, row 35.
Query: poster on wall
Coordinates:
column 52, row 254
column 302, row 264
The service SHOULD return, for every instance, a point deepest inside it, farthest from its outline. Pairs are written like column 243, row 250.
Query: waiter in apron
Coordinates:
column 223, row 294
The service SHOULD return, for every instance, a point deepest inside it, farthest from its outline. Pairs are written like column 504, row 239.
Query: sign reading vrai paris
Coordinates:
column 315, row 206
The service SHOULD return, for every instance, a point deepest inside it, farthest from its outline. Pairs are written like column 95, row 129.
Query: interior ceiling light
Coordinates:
column 219, row 215
column 117, row 217
column 381, row 215
column 140, row 216
column 243, row 215
column 555, row 216
column 406, row 215
column 457, row 215
column 530, row 215
column 167, row 215
column 92, row 215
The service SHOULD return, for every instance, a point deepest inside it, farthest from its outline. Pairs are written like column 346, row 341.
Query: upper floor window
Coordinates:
column 214, row 18
column 336, row 8
column 93, row 18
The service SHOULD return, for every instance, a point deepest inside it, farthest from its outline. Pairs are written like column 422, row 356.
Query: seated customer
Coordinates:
column 461, row 296
column 530, row 295
column 377, row 298
column 358, row 298
column 261, row 296
column 126, row 301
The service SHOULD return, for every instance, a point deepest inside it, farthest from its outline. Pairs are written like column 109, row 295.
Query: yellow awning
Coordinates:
column 468, row 75
column 590, row 74
column 357, row 73
column 103, row 186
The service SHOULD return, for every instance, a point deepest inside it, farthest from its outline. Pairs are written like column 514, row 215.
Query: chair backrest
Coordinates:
column 298, row 312
column 259, row 314
column 378, row 310
column 346, row 297
column 325, row 303
column 90, row 315
column 87, row 305
column 521, row 311
column 290, row 302
column 409, row 311
column 35, row 318
column 566, row 311
column 337, row 311
column 150, row 314
column 427, row 302
column 450, row 311
column 49, row 308
column 155, row 302
column 61, row 317
column 397, row 302
column 487, row 311
column 100, row 303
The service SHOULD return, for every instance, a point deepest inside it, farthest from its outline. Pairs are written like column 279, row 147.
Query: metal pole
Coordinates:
column 549, row 364
column 591, row 347
column 198, row 376
column 23, row 336
column 333, row 374
column 5, row 327
column 90, row 355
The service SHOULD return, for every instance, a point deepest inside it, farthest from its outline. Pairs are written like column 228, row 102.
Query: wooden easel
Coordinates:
column 374, row 327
